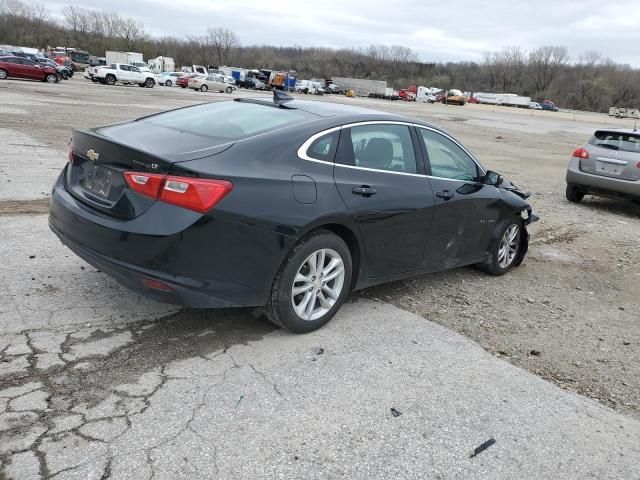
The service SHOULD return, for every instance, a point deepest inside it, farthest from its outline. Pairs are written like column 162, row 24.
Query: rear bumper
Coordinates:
column 601, row 185
column 180, row 291
column 205, row 262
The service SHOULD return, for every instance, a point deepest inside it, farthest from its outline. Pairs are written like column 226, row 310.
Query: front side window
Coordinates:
column 380, row 147
column 135, row 69
column 447, row 158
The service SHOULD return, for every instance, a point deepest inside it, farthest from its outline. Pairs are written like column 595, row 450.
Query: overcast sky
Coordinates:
column 449, row 30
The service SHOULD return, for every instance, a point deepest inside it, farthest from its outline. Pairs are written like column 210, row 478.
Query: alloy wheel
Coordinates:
column 318, row 284
column 508, row 248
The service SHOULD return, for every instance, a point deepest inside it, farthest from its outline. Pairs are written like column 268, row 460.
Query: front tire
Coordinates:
column 51, row 78
column 312, row 283
column 507, row 252
column 573, row 194
column 229, row 90
column 3, row 74
column 204, row 88
column 168, row 83
column 149, row 83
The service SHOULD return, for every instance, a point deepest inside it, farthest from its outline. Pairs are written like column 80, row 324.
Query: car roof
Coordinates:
column 630, row 131
column 323, row 109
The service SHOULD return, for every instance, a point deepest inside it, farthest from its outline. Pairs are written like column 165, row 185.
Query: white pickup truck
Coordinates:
column 126, row 74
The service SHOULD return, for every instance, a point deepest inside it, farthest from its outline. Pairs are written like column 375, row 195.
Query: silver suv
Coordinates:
column 608, row 165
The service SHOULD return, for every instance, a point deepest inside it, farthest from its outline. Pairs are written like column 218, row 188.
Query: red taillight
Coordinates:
column 581, row 153
column 197, row 194
column 638, row 165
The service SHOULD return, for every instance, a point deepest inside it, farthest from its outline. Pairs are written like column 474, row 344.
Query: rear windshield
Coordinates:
column 231, row 120
column 624, row 142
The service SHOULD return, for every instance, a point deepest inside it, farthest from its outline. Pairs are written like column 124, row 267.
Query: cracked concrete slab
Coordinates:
column 24, row 465
column 44, row 361
column 13, row 392
column 101, row 347
column 44, row 285
column 20, row 153
column 105, row 430
column 36, row 400
column 282, row 407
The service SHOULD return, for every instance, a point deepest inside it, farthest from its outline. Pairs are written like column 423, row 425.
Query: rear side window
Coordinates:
column 324, row 148
column 624, row 142
column 380, row 147
column 230, row 120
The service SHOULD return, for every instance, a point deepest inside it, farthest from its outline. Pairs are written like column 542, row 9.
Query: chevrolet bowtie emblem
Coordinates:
column 92, row 155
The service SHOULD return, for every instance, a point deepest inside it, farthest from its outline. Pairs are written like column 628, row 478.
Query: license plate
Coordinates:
column 99, row 180
column 608, row 168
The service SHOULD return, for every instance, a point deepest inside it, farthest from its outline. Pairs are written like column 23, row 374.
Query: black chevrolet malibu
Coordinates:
column 286, row 204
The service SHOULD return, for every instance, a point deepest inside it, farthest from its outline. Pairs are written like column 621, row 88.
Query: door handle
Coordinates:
column 445, row 195
column 365, row 190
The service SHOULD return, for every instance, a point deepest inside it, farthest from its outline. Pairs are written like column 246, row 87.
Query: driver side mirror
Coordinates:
column 492, row 178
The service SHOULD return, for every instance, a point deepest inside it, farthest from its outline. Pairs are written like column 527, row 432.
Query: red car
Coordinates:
column 183, row 81
column 19, row 67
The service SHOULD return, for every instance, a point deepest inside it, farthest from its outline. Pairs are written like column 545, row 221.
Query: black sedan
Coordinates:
column 287, row 204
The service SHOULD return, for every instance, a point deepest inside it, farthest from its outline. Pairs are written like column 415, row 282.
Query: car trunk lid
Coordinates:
column 95, row 174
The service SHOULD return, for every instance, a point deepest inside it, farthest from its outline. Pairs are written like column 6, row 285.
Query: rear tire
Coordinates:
column 168, row 83
column 229, row 90
column 149, row 83
column 110, row 80
column 3, row 74
column 280, row 307
column 204, row 88
column 573, row 194
column 506, row 253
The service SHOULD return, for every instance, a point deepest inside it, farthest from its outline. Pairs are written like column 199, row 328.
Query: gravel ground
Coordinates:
column 568, row 314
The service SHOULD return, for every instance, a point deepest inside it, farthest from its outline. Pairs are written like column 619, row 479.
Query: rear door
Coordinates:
column 466, row 210
column 381, row 180
column 613, row 154
column 21, row 68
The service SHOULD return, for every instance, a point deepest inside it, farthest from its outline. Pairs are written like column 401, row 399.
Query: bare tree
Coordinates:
column 131, row 34
column 78, row 22
column 545, row 64
column 224, row 41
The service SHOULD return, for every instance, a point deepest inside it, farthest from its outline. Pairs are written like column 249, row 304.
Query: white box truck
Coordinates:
column 128, row 58
column 162, row 64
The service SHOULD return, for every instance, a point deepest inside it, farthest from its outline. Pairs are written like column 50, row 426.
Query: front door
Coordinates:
column 466, row 210
column 381, row 179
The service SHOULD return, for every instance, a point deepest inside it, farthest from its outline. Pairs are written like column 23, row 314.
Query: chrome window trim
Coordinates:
column 302, row 151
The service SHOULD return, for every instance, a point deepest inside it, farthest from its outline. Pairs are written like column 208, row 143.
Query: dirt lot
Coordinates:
column 570, row 313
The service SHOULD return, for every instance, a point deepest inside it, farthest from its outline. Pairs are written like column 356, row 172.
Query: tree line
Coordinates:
column 588, row 82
